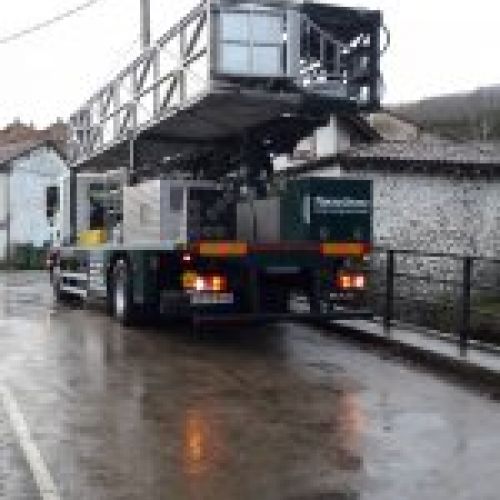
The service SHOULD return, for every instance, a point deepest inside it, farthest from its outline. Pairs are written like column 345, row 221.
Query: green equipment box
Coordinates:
column 310, row 209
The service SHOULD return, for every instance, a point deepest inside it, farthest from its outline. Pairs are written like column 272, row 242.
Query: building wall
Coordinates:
column 30, row 177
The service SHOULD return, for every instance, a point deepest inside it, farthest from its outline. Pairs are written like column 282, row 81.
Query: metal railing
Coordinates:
column 449, row 293
column 163, row 78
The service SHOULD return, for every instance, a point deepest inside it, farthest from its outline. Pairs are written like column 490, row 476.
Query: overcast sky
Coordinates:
column 438, row 46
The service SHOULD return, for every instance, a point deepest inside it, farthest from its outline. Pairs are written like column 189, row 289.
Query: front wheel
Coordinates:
column 122, row 296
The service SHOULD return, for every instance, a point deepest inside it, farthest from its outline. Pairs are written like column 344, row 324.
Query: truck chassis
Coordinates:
column 214, row 282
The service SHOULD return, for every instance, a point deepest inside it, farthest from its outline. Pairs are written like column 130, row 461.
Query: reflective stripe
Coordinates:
column 222, row 249
column 344, row 249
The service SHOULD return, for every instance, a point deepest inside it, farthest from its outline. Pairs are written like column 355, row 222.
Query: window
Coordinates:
column 52, row 201
column 176, row 199
column 236, row 58
column 234, row 27
column 266, row 29
column 266, row 60
column 251, row 43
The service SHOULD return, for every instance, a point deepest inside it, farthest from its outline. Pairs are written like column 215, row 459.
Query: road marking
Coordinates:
column 46, row 486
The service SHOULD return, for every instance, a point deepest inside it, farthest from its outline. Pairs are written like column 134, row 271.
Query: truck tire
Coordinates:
column 60, row 297
column 122, row 296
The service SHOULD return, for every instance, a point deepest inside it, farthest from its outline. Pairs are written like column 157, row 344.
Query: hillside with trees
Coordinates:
column 467, row 116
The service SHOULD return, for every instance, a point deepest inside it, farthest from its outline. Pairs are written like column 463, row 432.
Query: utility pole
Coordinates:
column 129, row 171
column 145, row 24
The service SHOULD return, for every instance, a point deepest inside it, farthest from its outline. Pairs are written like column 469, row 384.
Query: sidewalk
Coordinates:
column 480, row 363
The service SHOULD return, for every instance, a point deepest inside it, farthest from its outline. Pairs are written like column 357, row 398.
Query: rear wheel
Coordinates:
column 59, row 295
column 122, row 296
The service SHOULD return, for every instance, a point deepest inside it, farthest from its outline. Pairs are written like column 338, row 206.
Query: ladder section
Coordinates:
column 233, row 47
column 160, row 81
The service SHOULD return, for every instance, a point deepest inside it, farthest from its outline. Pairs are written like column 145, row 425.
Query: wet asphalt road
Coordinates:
column 277, row 413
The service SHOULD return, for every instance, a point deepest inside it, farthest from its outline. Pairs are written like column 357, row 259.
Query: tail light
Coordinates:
column 351, row 281
column 218, row 283
column 191, row 280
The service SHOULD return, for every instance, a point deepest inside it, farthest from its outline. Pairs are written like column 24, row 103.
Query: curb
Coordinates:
column 460, row 368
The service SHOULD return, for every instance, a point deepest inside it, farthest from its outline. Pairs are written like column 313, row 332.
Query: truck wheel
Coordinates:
column 59, row 296
column 122, row 299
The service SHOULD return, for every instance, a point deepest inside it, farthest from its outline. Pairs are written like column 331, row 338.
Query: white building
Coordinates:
column 30, row 196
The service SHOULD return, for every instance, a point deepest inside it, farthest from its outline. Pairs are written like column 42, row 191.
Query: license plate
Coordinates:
column 201, row 298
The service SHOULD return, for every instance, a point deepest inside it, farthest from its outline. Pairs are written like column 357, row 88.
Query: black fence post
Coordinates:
column 389, row 291
column 465, row 305
column 255, row 297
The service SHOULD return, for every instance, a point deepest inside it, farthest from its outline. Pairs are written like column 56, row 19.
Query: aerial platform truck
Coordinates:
column 193, row 222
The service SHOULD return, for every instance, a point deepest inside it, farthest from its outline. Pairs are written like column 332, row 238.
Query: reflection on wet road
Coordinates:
column 277, row 413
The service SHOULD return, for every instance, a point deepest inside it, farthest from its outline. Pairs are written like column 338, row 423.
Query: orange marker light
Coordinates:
column 189, row 280
column 345, row 281
column 218, row 283
column 194, row 281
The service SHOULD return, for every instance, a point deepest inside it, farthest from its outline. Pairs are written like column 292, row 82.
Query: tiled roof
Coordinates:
column 435, row 150
column 9, row 152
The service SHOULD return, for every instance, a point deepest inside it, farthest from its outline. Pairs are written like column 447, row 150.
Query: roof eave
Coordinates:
column 6, row 165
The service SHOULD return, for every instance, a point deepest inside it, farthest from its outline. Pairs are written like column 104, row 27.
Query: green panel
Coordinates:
column 327, row 209
column 292, row 216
